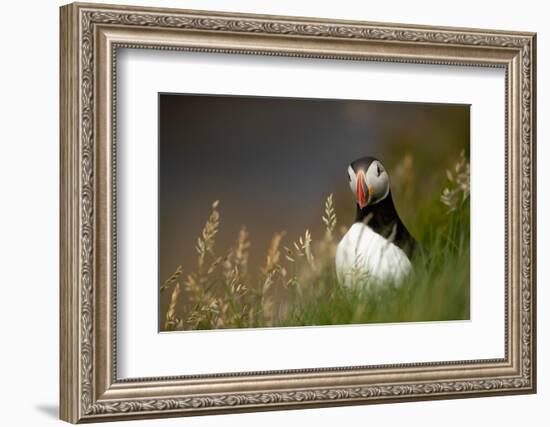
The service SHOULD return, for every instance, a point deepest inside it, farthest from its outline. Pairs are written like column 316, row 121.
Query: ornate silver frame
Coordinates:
column 90, row 36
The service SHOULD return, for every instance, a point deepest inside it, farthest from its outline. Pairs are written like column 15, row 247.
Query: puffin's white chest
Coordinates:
column 364, row 258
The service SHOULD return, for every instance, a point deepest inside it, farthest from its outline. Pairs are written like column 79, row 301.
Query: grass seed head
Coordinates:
column 172, row 279
column 329, row 218
column 458, row 190
column 205, row 243
column 171, row 319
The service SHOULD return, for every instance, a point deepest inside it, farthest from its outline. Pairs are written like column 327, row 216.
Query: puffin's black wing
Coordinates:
column 383, row 219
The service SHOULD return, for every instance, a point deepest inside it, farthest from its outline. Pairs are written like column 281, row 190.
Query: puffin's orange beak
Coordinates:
column 362, row 195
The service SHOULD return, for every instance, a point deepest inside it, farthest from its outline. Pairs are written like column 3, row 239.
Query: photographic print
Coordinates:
column 281, row 212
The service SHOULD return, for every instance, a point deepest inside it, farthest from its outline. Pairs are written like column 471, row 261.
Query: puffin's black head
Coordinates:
column 368, row 180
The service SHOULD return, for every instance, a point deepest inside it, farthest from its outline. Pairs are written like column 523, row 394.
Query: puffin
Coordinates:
column 377, row 249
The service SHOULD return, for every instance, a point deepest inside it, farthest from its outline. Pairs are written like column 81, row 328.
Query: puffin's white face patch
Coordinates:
column 352, row 180
column 378, row 181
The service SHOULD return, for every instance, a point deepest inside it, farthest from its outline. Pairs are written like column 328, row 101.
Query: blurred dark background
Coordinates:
column 272, row 162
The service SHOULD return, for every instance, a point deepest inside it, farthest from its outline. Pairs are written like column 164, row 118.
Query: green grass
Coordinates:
column 439, row 288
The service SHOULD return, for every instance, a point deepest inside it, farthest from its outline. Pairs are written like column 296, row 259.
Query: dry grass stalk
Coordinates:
column 234, row 283
column 329, row 218
column 303, row 248
column 273, row 253
column 171, row 319
column 207, row 307
column 205, row 243
column 367, row 218
column 241, row 251
column 269, row 274
column 172, row 279
column 459, row 189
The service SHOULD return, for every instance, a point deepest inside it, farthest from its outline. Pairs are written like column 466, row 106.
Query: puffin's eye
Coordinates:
column 379, row 169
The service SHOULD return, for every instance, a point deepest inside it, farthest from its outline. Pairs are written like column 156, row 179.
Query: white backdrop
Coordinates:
column 141, row 346
column 29, row 170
